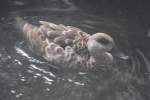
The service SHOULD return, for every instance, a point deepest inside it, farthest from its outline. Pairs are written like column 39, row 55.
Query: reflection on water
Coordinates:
column 27, row 77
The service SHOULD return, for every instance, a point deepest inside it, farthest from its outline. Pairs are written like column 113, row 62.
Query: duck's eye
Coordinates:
column 103, row 41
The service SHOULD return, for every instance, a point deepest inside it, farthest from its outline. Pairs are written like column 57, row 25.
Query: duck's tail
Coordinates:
column 31, row 33
column 23, row 25
column 20, row 22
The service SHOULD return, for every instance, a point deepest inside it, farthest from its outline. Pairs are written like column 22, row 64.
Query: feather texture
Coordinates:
column 65, row 45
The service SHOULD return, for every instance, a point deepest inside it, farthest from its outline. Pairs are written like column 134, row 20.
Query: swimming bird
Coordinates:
column 68, row 46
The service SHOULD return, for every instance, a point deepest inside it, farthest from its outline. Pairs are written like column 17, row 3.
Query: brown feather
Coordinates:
column 63, row 36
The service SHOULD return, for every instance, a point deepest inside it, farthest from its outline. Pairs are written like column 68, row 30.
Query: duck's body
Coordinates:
column 68, row 46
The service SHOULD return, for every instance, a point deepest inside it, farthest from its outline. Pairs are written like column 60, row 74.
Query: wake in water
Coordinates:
column 23, row 73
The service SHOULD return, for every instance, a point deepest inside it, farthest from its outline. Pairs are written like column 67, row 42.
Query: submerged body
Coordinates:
column 68, row 46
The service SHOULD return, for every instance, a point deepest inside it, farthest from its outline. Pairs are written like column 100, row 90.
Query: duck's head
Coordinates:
column 100, row 45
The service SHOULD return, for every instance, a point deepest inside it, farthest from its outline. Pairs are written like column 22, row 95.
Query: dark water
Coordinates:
column 25, row 76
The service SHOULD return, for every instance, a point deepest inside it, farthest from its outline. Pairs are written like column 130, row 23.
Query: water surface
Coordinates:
column 24, row 76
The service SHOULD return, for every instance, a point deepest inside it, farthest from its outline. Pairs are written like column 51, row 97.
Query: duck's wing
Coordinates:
column 61, row 34
column 64, row 36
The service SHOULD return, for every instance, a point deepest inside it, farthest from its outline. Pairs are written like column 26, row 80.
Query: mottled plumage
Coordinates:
column 68, row 46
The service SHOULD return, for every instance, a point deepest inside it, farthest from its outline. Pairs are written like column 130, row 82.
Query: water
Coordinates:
column 24, row 76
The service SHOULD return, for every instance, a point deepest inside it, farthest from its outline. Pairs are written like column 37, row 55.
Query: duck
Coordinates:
column 68, row 46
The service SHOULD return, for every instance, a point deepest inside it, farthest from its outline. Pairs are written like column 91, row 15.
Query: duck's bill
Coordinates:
column 117, row 53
